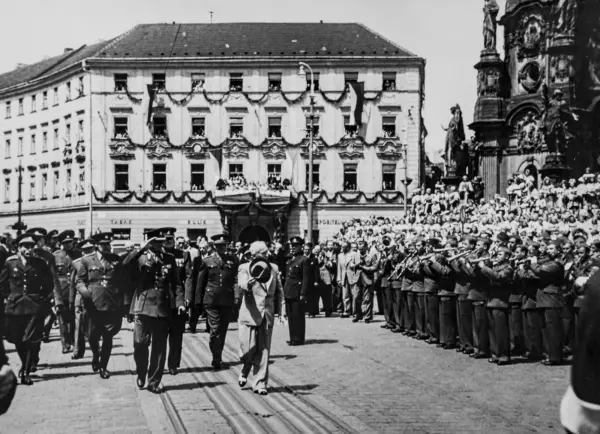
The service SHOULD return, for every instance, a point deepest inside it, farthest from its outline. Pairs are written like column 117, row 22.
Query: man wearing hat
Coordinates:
column 81, row 326
column 298, row 279
column 261, row 295
column 217, row 278
column 157, row 299
column 26, row 283
column 100, row 283
column 64, row 268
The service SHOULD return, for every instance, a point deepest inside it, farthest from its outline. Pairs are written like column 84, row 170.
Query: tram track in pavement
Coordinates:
column 284, row 411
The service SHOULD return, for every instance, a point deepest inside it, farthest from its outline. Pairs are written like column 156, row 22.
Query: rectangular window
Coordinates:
column 8, row 115
column 32, row 186
column 55, row 139
column 197, row 179
column 351, row 130
column 6, row 190
column 274, row 127
column 55, row 97
column 236, row 81
column 389, row 126
column 82, row 234
column 315, row 129
column 121, row 128
column 80, row 89
column 121, row 233
column 68, row 87
column 389, row 81
column 122, row 177
column 236, row 127
column 33, row 103
column 236, row 170
column 44, row 185
column 274, row 176
column 80, row 131
column 44, row 100
column 20, row 147
column 159, row 81
column 274, row 169
column 198, row 127
column 350, row 77
column 350, row 177
column 7, row 149
column 315, row 78
column 159, row 177
column 389, row 176
column 44, row 141
column 81, row 188
column 68, row 183
column 159, row 126
column 274, row 81
column 316, row 176
column 198, row 80
column 20, row 106
column 68, row 133
column 120, row 82
column 32, row 150
column 56, row 192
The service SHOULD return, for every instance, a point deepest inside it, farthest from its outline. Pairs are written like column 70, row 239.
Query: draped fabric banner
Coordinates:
column 151, row 94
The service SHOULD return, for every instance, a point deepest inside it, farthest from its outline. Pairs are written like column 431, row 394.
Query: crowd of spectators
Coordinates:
column 239, row 183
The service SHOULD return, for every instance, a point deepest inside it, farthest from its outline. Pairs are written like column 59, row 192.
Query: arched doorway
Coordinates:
column 254, row 233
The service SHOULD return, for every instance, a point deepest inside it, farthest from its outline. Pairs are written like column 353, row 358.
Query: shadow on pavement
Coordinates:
column 320, row 341
column 298, row 389
column 192, row 386
column 283, row 356
column 195, row 370
column 71, row 364
column 60, row 376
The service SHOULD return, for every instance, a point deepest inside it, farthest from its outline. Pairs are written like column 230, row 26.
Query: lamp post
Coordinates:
column 20, row 226
column 309, row 200
column 407, row 180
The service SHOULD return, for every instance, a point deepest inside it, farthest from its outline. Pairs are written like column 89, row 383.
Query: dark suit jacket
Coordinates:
column 102, row 285
column 26, row 287
column 217, row 279
column 298, row 277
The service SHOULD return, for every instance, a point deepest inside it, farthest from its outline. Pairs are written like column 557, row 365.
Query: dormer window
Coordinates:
column 274, row 82
column 159, row 81
column 389, row 81
column 198, row 80
column 236, row 128
column 159, row 129
column 275, row 127
column 120, row 82
column 236, row 81
column 389, row 126
column 198, row 128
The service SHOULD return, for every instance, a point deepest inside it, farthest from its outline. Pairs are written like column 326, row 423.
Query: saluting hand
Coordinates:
column 148, row 243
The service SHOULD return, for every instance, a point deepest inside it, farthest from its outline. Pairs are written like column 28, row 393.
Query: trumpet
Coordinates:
column 482, row 259
column 401, row 267
column 459, row 255
column 522, row 261
column 434, row 253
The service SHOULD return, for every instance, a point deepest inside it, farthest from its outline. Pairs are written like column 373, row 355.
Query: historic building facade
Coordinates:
column 549, row 45
column 160, row 119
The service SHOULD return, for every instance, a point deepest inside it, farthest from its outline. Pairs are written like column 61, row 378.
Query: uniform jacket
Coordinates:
column 414, row 275
column 26, row 287
column 157, row 285
column 191, row 269
column 102, row 283
column 500, row 281
column 217, row 278
column 298, row 277
column 64, row 269
column 439, row 277
column 266, row 299
column 74, row 296
column 550, row 275
column 479, row 283
column 51, row 262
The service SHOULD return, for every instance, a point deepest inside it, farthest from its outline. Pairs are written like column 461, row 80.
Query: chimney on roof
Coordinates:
column 68, row 50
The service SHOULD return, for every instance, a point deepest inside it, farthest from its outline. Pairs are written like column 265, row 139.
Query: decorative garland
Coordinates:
column 181, row 102
column 132, row 98
column 356, row 197
column 156, row 197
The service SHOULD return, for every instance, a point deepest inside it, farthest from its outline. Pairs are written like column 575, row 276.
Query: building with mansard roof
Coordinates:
column 206, row 127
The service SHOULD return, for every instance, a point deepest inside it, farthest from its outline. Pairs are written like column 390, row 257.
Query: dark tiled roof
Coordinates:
column 252, row 39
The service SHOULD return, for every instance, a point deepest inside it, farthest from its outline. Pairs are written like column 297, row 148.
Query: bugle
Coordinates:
column 482, row 259
column 459, row 255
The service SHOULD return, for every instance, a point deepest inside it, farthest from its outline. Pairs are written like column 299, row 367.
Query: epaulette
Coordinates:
column 13, row 257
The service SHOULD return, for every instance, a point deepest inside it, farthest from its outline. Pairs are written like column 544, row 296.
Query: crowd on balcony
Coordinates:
column 239, row 183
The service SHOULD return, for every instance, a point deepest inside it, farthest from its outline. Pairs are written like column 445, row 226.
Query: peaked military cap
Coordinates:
column 260, row 270
column 37, row 232
column 54, row 234
column 296, row 240
column 219, row 239
column 66, row 236
column 502, row 237
column 504, row 250
column 102, row 237
column 25, row 239
column 160, row 233
column 434, row 241
column 86, row 244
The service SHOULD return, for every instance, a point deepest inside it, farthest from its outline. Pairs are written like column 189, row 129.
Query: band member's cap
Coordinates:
column 434, row 241
column 54, row 234
column 25, row 239
column 66, row 236
column 219, row 239
column 37, row 232
column 160, row 234
column 86, row 244
column 503, row 237
column 485, row 241
column 260, row 270
column 504, row 250
column 296, row 241
column 102, row 237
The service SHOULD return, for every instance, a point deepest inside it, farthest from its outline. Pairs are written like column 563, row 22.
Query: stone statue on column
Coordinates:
column 455, row 136
column 557, row 121
column 490, row 25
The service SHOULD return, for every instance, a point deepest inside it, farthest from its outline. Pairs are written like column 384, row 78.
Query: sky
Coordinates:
column 446, row 33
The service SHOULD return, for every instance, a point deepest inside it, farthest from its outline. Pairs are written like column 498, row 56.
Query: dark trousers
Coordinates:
column 419, row 308
column 80, row 329
column 337, row 300
column 105, row 325
column 447, row 320
column 324, row 293
column 296, row 321
column 576, row 327
column 176, row 330
column 367, row 301
column 379, row 294
column 517, row 334
column 25, row 332
column 150, row 361
column 48, row 323
column 195, row 312
column 388, row 307
column 481, row 337
column 567, row 316
column 432, row 315
column 312, row 301
column 408, row 310
column 464, row 319
column 65, row 326
column 218, row 321
column 532, row 328
column 552, row 334
column 499, row 332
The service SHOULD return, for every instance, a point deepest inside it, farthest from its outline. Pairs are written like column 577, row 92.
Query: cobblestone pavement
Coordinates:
column 348, row 378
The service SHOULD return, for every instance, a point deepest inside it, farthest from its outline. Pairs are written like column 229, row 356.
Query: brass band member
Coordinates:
column 431, row 281
column 446, row 296
column 408, row 296
column 462, row 286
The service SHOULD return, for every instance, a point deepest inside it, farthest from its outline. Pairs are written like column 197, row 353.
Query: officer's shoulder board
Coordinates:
column 12, row 258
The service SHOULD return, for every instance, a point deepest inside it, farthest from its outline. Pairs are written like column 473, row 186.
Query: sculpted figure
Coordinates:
column 490, row 13
column 455, row 135
column 555, row 121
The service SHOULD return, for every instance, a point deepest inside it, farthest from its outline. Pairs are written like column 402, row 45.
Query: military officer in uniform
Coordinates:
column 100, row 283
column 26, row 283
column 298, row 279
column 217, row 278
column 158, row 293
column 64, row 268
column 81, row 325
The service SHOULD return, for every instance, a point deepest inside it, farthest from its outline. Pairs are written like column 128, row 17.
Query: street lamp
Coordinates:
column 309, row 200
column 406, row 180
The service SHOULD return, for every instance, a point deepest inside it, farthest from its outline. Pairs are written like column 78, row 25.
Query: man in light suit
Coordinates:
column 354, row 278
column 342, row 280
column 261, row 294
